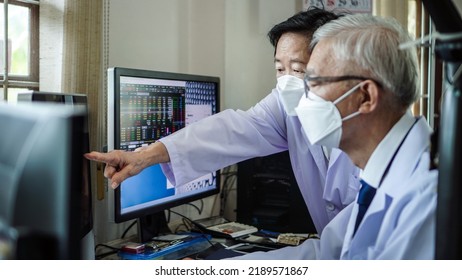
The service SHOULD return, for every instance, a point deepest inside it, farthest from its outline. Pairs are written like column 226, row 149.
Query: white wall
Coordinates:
column 209, row 37
column 166, row 35
column 249, row 66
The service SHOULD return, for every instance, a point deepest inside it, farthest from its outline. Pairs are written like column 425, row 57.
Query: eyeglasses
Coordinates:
column 327, row 79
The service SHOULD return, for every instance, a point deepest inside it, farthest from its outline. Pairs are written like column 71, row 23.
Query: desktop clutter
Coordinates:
column 209, row 238
column 168, row 247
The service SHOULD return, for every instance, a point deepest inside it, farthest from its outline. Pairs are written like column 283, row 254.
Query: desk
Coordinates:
column 229, row 249
column 217, row 248
column 168, row 247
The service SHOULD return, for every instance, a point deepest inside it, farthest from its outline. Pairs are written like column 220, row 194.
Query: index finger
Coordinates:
column 97, row 156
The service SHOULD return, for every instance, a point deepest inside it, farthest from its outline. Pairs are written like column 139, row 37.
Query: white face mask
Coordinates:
column 291, row 89
column 321, row 120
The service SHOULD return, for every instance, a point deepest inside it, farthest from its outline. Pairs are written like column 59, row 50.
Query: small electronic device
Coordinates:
column 133, row 248
column 221, row 227
column 291, row 239
column 233, row 229
column 143, row 107
column 210, row 221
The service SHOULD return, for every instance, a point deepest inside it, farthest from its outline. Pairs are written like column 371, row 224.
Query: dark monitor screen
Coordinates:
column 53, row 97
column 41, row 163
column 72, row 99
column 144, row 106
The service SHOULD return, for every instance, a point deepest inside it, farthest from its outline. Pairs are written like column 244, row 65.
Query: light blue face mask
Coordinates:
column 291, row 89
column 321, row 120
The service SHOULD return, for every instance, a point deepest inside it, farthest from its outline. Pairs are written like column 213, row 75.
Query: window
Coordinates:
column 431, row 75
column 19, row 47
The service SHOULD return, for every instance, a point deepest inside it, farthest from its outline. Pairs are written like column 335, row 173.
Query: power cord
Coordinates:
column 199, row 210
column 114, row 250
column 228, row 182
column 189, row 224
column 128, row 228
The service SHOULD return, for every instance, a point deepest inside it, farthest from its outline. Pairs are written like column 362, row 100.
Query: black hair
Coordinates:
column 305, row 23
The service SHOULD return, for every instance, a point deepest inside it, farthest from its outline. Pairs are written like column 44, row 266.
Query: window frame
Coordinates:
column 30, row 81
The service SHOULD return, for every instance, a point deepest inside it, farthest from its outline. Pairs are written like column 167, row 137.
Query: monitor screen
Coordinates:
column 41, row 161
column 74, row 99
column 144, row 106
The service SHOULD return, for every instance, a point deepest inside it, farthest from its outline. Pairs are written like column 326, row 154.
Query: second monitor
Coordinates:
column 144, row 106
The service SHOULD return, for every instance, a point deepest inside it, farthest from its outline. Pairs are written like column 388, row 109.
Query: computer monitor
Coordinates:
column 41, row 148
column 86, row 223
column 53, row 97
column 144, row 106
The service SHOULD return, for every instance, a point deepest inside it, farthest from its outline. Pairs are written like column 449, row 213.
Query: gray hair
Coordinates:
column 371, row 44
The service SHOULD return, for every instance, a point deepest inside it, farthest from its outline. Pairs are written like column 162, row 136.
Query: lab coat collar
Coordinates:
column 375, row 168
column 334, row 155
column 403, row 165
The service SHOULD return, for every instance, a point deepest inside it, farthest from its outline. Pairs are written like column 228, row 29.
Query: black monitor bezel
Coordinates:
column 116, row 73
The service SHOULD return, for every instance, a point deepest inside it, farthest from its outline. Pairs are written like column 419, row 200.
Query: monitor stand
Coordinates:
column 151, row 226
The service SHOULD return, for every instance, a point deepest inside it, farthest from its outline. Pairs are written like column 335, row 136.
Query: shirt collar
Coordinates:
column 383, row 154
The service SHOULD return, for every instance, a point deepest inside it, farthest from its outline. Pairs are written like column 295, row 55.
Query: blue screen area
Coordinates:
column 147, row 186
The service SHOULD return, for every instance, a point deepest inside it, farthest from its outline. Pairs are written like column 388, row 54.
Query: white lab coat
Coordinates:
column 400, row 222
column 233, row 136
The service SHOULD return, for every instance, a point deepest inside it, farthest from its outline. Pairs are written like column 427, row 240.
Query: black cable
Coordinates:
column 100, row 256
column 114, row 250
column 129, row 227
column 197, row 208
column 202, row 206
column 168, row 216
column 186, row 219
column 177, row 229
column 231, row 184
column 230, row 179
column 106, row 246
column 181, row 215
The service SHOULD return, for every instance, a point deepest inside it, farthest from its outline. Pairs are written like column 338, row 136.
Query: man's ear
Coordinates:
column 370, row 96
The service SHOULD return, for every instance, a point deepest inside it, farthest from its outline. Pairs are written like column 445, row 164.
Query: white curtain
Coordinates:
column 392, row 8
column 82, row 53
